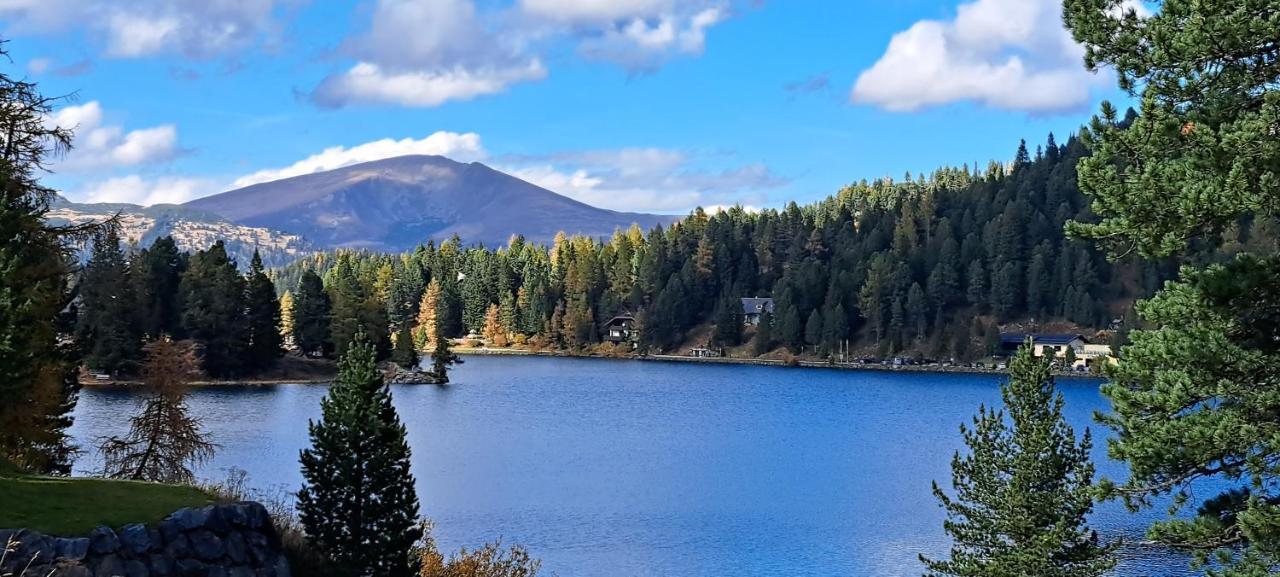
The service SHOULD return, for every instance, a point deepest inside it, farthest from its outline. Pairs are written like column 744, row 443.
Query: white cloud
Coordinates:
column 635, row 34
column 645, row 179
column 1011, row 54
column 459, row 147
column 98, row 145
column 369, row 83
column 135, row 189
column 423, row 53
column 39, row 66
column 193, row 28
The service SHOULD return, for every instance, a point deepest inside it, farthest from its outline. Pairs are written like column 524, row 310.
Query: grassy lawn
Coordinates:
column 73, row 506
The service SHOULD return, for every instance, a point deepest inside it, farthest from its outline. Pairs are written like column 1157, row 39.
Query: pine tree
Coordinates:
column 729, row 321
column 763, row 340
column 790, row 330
column 357, row 503
column 38, row 387
column 311, row 315
column 165, row 442
column 442, row 356
column 1023, row 492
column 213, row 315
column 405, row 353
column 813, row 329
column 106, row 327
column 157, row 272
column 264, row 317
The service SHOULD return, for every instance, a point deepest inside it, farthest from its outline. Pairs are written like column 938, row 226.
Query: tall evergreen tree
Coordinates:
column 1022, row 493
column 357, row 504
column 405, row 353
column 214, row 311
column 1194, row 398
column 728, row 331
column 311, row 314
column 263, row 309
column 38, row 366
column 442, row 356
column 157, row 272
column 106, row 327
column 762, row 342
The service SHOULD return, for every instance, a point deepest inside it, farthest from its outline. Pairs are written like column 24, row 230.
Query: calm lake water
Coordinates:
column 629, row 468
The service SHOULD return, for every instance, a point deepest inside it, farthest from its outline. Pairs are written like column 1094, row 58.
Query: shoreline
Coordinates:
column 312, row 379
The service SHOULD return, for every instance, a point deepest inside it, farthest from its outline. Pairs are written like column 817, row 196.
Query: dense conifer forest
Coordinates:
column 934, row 265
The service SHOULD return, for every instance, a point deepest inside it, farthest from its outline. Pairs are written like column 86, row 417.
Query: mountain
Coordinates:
column 396, row 203
column 192, row 230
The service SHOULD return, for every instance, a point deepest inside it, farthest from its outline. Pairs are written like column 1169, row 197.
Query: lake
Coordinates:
column 632, row 468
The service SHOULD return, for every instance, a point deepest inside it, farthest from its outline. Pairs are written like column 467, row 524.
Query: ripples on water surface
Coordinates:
column 628, row 468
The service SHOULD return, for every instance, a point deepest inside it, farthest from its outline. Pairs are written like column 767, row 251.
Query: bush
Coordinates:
column 491, row 560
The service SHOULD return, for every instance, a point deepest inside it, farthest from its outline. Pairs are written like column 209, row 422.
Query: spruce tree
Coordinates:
column 358, row 504
column 1022, row 493
column 106, row 327
column 311, row 313
column 762, row 342
column 442, row 356
column 157, row 272
column 263, row 309
column 728, row 320
column 813, row 329
column 214, row 312
column 405, row 353
column 38, row 386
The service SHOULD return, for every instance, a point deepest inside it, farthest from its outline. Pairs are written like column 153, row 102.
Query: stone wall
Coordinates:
column 233, row 540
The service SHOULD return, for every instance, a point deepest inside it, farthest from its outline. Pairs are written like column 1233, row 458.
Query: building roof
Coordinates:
column 1016, row 339
column 756, row 305
column 619, row 318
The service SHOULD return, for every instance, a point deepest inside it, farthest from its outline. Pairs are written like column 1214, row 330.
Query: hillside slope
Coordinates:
column 394, row 204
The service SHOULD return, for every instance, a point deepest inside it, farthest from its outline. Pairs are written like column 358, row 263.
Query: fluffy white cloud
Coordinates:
column 194, row 28
column 423, row 53
column 1011, row 54
column 636, row 34
column 645, row 179
column 459, row 147
column 135, row 189
column 99, row 145
column 369, row 83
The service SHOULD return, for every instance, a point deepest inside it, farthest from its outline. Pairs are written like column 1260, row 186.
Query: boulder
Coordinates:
column 103, row 541
column 206, row 545
column 72, row 549
column 135, row 539
column 109, row 566
column 136, row 568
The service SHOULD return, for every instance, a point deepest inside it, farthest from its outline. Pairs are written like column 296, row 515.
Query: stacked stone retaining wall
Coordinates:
column 232, row 540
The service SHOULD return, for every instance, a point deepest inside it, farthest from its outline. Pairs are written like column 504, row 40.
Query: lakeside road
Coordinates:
column 757, row 361
column 312, row 379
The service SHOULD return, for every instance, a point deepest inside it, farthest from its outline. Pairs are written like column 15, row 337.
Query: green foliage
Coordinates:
column 157, row 272
column 311, row 316
column 213, row 315
column 1194, row 396
column 405, row 353
column 38, row 367
column 106, row 326
column 442, row 356
column 728, row 322
column 1022, row 493
column 263, row 312
column 358, row 503
column 762, row 342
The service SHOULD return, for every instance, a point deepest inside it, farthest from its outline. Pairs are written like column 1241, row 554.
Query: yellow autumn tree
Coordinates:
column 493, row 332
column 286, row 316
column 425, row 334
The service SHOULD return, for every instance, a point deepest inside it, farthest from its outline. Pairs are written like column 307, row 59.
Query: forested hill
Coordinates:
column 930, row 264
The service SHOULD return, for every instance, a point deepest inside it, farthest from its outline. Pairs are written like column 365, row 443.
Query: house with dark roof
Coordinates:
column 753, row 307
column 1085, row 353
column 620, row 329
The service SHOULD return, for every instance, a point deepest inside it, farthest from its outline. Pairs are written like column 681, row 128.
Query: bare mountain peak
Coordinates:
column 396, row 203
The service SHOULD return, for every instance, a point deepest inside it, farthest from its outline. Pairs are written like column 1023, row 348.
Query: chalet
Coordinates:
column 620, row 329
column 1086, row 354
column 752, row 308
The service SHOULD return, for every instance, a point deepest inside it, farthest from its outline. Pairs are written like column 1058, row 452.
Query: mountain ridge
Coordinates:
column 395, row 203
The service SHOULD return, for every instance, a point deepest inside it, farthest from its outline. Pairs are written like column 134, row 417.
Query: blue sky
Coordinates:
column 647, row 105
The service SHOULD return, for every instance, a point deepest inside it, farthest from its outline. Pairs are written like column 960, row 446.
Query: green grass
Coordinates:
column 72, row 506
